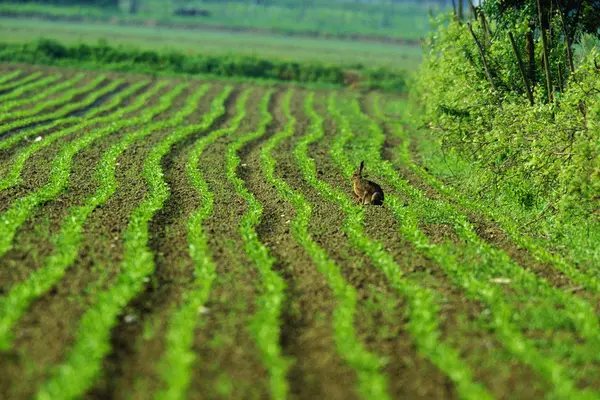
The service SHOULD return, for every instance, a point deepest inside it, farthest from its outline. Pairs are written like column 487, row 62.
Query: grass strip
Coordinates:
column 176, row 364
column 465, row 276
column 9, row 76
column 265, row 323
column 17, row 214
column 22, row 81
column 65, row 85
column 13, row 177
column 40, row 83
column 422, row 313
column 31, row 116
column 584, row 277
column 69, row 238
column 371, row 382
column 84, row 362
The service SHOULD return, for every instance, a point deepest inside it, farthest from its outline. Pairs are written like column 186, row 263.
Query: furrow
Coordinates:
column 57, row 88
column 231, row 364
column 6, row 87
column 10, row 76
column 76, row 375
column 422, row 310
column 587, row 278
column 265, row 324
column 68, row 240
column 372, row 384
column 20, row 210
column 14, row 176
column 175, row 366
column 28, row 88
column 69, row 101
column 478, row 283
column 132, row 365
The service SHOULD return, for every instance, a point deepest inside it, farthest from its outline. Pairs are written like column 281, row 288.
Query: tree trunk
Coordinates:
column 530, row 50
column 521, row 67
column 543, row 23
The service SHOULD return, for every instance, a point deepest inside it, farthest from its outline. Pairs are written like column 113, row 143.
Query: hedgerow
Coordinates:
column 50, row 52
column 531, row 130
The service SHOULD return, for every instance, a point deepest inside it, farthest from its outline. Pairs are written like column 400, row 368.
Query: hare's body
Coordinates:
column 367, row 192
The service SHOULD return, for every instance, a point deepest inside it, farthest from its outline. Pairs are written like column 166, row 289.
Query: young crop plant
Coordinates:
column 475, row 281
column 176, row 364
column 10, row 76
column 13, row 177
column 587, row 278
column 15, row 84
column 21, row 209
column 65, row 85
column 372, row 383
column 422, row 311
column 265, row 324
column 31, row 116
column 84, row 361
column 69, row 238
column 40, row 83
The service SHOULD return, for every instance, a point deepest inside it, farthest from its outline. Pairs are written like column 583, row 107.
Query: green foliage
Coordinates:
column 102, row 54
column 19, row 82
column 176, row 365
column 546, row 152
column 372, row 383
column 265, row 323
column 83, row 363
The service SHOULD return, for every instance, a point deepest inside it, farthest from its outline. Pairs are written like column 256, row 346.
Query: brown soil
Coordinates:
column 47, row 330
column 228, row 364
column 306, row 337
column 131, row 366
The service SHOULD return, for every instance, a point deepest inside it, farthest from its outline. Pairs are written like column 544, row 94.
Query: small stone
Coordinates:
column 38, row 139
column 129, row 318
column 500, row 280
column 244, row 165
column 203, row 310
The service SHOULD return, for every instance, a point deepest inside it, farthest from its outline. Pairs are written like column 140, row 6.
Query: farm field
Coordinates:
column 211, row 42
column 181, row 238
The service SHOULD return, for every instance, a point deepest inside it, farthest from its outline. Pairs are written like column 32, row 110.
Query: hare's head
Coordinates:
column 357, row 175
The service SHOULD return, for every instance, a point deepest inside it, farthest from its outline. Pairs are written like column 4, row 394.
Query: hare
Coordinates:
column 366, row 192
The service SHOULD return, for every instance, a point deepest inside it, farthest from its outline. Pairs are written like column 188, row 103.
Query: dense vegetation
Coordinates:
column 517, row 93
column 105, row 56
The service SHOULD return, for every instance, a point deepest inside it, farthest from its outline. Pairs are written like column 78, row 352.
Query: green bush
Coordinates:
column 543, row 153
column 102, row 54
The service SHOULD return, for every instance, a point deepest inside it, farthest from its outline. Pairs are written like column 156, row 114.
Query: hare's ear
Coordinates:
column 362, row 165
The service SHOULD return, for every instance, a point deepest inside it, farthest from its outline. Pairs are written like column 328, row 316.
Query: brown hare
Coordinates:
column 366, row 192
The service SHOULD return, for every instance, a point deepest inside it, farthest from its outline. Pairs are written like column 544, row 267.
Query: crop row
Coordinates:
column 92, row 343
column 265, row 324
column 422, row 310
column 12, row 178
column 67, row 242
column 21, row 81
column 175, row 366
column 372, row 383
column 8, row 77
column 19, row 91
column 36, row 98
column 477, row 278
